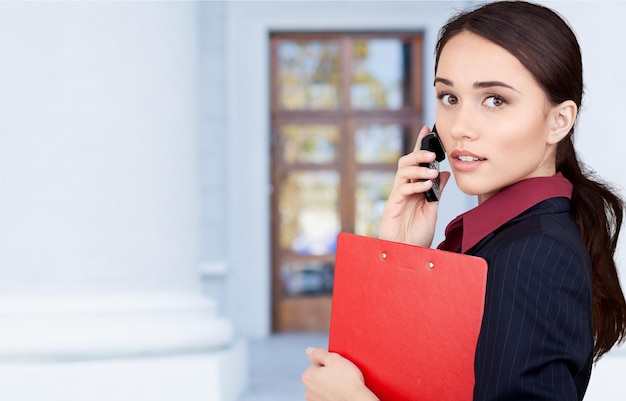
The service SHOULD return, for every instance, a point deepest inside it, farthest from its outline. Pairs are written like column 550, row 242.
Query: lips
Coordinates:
column 463, row 161
column 465, row 156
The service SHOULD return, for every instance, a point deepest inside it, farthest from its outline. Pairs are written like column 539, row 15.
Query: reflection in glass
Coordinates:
column 308, row 212
column 310, row 143
column 379, row 143
column 307, row 278
column 379, row 69
column 373, row 188
column 308, row 74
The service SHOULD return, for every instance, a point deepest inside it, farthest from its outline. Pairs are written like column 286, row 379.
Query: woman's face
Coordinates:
column 492, row 116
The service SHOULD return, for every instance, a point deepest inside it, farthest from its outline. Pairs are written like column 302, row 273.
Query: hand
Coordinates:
column 407, row 216
column 334, row 378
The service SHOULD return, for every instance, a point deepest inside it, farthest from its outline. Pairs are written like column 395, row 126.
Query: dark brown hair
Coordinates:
column 544, row 43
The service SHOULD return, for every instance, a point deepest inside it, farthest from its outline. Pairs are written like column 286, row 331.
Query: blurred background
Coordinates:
column 173, row 176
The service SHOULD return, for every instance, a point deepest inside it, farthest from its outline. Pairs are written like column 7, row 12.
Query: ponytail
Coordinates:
column 597, row 210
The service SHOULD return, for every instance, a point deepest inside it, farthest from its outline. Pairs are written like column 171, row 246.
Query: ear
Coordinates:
column 562, row 118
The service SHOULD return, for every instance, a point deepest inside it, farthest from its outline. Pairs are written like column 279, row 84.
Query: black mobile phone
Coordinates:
column 431, row 142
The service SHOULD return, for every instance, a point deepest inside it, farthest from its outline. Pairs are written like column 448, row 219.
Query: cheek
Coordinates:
column 517, row 157
column 521, row 135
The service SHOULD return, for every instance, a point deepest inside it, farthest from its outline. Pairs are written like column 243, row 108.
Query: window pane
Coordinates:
column 310, row 143
column 379, row 143
column 380, row 68
column 373, row 188
column 307, row 278
column 308, row 74
column 308, row 212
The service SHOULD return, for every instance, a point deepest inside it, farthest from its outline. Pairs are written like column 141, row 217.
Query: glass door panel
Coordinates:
column 308, row 210
column 379, row 143
column 373, row 188
column 377, row 84
column 309, row 74
column 309, row 143
column 307, row 278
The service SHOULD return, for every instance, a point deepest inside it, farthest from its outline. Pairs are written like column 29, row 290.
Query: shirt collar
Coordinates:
column 469, row 228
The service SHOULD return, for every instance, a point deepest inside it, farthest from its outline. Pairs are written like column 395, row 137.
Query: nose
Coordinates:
column 461, row 127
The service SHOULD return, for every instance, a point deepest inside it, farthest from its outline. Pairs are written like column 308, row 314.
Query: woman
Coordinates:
column 508, row 77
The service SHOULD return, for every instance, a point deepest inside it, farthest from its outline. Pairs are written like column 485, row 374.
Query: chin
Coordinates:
column 470, row 188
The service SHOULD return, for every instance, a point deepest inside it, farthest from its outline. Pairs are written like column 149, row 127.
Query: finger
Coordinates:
column 306, row 377
column 415, row 158
column 414, row 173
column 317, row 355
column 416, row 187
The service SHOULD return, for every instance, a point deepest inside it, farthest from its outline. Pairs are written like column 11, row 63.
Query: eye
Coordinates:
column 448, row 99
column 494, row 101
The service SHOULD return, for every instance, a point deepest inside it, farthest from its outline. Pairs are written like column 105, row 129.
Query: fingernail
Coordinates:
column 309, row 350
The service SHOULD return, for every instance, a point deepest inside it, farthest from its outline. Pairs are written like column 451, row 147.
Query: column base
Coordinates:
column 124, row 347
column 76, row 328
column 213, row 376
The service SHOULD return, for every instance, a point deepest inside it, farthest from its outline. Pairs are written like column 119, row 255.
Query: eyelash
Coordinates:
column 442, row 95
column 498, row 98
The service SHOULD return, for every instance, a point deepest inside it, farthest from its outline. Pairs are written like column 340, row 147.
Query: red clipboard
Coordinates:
column 408, row 317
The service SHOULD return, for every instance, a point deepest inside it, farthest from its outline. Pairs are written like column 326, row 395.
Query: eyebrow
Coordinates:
column 478, row 85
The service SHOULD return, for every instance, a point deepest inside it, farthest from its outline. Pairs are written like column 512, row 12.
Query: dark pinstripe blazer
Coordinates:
column 536, row 339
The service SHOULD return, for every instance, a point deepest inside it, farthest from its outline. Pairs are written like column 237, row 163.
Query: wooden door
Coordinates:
column 345, row 107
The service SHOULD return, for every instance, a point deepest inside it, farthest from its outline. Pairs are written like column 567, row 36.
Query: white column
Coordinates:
column 99, row 288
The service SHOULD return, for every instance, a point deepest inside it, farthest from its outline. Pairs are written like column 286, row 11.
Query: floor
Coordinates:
column 276, row 365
